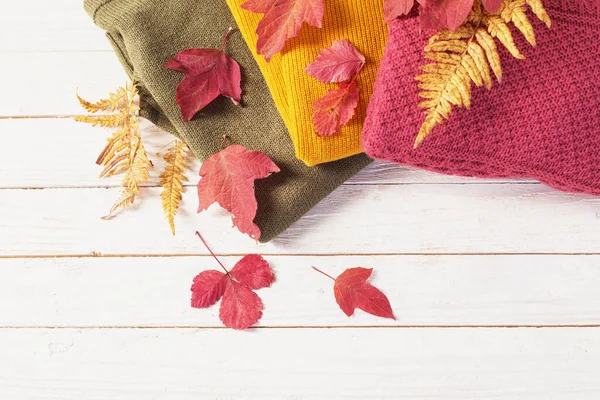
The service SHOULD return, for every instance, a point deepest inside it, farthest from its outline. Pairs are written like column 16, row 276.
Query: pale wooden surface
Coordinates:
column 494, row 283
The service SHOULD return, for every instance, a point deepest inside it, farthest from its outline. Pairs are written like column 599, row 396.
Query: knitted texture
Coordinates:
column 541, row 122
column 147, row 33
column 294, row 91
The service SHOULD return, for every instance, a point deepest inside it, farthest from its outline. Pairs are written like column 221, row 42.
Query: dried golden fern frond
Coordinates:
column 538, row 9
column 105, row 121
column 171, row 180
column 515, row 11
column 135, row 165
column 466, row 56
column 497, row 28
column 124, row 153
column 114, row 101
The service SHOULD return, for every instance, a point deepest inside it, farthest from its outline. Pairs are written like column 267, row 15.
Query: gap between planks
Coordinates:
column 323, row 327
column 191, row 185
column 173, row 255
column 40, row 116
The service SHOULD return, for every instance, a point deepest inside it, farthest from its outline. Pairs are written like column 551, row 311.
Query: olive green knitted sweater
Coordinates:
column 146, row 33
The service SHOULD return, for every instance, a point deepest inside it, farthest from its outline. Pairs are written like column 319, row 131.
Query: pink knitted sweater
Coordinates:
column 541, row 122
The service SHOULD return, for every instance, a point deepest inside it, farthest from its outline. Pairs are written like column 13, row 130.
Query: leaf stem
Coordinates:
column 225, row 38
column 211, row 252
column 327, row 275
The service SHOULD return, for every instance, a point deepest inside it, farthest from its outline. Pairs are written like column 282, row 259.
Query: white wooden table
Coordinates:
column 496, row 284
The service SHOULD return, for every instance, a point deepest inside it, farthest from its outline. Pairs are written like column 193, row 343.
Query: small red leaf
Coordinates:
column 241, row 308
column 208, row 288
column 283, row 20
column 209, row 73
column 396, row 8
column 345, row 285
column 335, row 109
column 339, row 63
column 492, row 6
column 352, row 291
column 228, row 179
column 440, row 14
column 253, row 271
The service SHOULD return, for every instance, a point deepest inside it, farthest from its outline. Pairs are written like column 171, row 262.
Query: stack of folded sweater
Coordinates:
column 147, row 33
column 540, row 122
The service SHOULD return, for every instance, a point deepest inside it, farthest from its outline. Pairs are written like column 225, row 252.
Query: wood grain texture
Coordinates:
column 63, row 143
column 356, row 219
column 121, row 327
column 46, row 83
column 423, row 290
column 166, row 364
column 48, row 26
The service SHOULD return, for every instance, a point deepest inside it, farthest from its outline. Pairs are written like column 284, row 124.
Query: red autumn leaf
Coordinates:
column 240, row 308
column 283, row 20
column 335, row 109
column 339, row 63
column 492, row 6
column 352, row 291
column 396, row 8
column 444, row 14
column 209, row 73
column 228, row 179
column 253, row 271
column 208, row 288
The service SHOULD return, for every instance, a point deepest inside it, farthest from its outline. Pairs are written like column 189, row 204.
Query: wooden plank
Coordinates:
column 423, row 290
column 43, row 26
column 432, row 364
column 62, row 153
column 45, row 84
column 390, row 219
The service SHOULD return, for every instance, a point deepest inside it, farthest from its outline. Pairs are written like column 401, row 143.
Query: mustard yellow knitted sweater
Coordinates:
column 294, row 91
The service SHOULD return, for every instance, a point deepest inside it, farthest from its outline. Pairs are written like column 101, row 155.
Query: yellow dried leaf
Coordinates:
column 498, row 28
column 486, row 41
column 127, row 199
column 471, row 67
column 113, row 102
column 466, row 56
column 538, row 9
column 124, row 153
column 449, row 58
column 171, row 180
column 480, row 60
column 514, row 11
column 453, row 46
column 105, row 121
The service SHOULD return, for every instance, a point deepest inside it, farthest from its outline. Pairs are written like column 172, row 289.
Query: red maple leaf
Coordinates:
column 335, row 109
column 395, row 8
column 209, row 73
column 241, row 308
column 492, row 6
column 227, row 178
column 444, row 14
column 283, row 20
column 352, row 291
column 339, row 63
